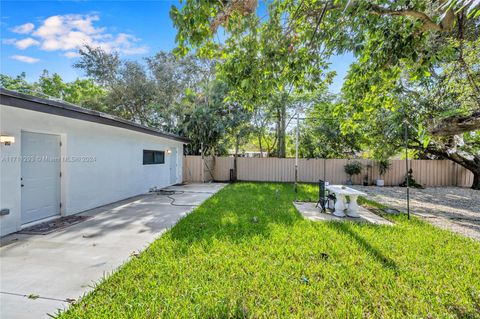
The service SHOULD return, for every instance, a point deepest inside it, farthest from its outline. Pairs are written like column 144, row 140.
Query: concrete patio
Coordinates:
column 310, row 211
column 42, row 273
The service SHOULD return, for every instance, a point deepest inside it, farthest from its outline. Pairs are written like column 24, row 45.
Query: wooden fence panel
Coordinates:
column 198, row 170
column 266, row 169
column 311, row 170
column 395, row 175
column 335, row 173
column 222, row 168
column 425, row 172
column 208, row 169
column 192, row 169
column 464, row 177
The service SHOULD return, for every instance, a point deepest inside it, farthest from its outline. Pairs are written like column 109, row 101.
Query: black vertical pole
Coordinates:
column 324, row 168
column 406, row 168
column 296, row 151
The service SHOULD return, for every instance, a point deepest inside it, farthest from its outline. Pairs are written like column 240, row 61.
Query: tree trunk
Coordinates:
column 476, row 180
column 277, row 131
column 473, row 165
column 260, row 144
column 457, row 125
column 282, row 120
column 237, row 143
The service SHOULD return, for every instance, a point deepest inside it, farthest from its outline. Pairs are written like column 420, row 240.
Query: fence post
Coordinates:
column 202, row 169
column 456, row 174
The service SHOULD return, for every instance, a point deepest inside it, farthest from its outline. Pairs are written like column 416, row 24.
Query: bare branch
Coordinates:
column 247, row 7
column 428, row 24
column 243, row 7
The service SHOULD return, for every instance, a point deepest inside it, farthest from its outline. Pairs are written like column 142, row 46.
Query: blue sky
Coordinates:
column 38, row 35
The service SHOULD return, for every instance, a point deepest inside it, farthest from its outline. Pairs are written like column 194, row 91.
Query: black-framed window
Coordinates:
column 153, row 157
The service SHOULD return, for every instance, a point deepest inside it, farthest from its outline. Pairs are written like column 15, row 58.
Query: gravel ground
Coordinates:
column 453, row 208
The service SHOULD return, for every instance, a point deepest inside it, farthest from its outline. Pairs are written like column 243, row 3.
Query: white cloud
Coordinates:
column 126, row 44
column 72, row 54
column 51, row 26
column 25, row 43
column 24, row 58
column 24, row 28
column 70, row 32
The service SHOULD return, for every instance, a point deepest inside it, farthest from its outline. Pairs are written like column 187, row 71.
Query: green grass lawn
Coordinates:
column 247, row 253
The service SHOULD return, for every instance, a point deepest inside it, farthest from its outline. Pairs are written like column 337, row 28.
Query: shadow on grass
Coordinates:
column 239, row 212
column 345, row 229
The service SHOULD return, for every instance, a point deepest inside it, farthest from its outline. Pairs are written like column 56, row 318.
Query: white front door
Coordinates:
column 173, row 166
column 40, row 179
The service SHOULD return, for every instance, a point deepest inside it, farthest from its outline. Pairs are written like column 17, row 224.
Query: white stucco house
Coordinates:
column 58, row 159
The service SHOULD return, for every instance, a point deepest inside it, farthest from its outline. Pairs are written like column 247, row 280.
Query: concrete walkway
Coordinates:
column 61, row 266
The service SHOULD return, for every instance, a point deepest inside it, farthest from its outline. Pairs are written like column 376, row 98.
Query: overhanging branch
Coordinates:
column 457, row 125
column 243, row 7
column 428, row 24
column 247, row 7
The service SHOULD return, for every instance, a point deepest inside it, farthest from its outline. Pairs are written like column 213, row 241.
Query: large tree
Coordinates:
column 431, row 79
column 131, row 91
column 148, row 93
column 182, row 95
column 321, row 134
column 399, row 47
column 83, row 92
column 258, row 65
column 208, row 119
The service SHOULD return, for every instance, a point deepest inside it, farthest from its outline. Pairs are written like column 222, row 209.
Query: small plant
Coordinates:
column 411, row 180
column 365, row 180
column 353, row 168
column 383, row 166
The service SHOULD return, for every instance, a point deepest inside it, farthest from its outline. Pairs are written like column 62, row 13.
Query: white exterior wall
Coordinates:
column 116, row 173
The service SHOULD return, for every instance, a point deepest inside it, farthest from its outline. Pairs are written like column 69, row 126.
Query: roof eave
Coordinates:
column 60, row 108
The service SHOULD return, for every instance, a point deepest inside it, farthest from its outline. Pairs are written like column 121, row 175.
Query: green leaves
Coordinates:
column 472, row 7
column 423, row 136
column 411, row 61
column 259, row 58
column 83, row 92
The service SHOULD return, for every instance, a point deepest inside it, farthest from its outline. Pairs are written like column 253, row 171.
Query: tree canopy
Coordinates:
column 416, row 61
column 83, row 92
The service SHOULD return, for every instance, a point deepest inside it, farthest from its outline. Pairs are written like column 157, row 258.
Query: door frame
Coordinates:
column 173, row 161
column 63, row 170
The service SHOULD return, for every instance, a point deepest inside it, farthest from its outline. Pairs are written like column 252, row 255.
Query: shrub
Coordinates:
column 411, row 181
column 353, row 168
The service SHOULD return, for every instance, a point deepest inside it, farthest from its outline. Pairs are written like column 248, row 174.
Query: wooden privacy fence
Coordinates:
column 425, row 172
column 198, row 169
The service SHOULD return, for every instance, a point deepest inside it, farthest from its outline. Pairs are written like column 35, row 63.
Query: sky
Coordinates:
column 38, row 35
